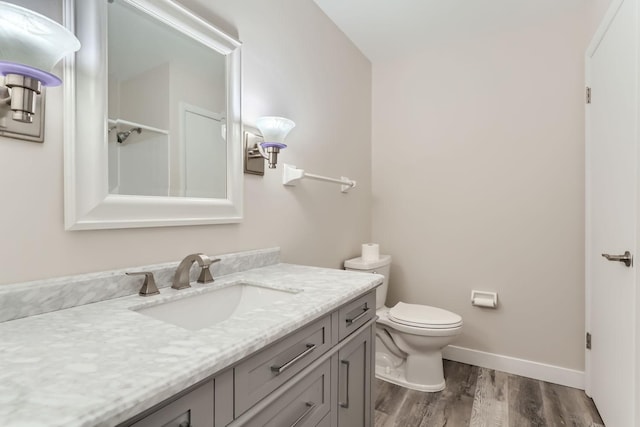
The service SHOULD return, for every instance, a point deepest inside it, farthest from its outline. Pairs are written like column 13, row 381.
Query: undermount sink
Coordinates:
column 208, row 308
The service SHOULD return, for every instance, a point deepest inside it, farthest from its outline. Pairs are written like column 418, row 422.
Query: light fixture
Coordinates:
column 274, row 130
column 30, row 46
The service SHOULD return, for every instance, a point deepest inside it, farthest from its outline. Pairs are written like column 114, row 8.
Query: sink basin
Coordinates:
column 208, row 308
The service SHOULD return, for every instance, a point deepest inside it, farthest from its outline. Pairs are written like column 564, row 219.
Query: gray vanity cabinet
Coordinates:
column 354, row 381
column 317, row 376
column 304, row 405
column 207, row 405
column 355, row 314
column 270, row 368
column 194, row 409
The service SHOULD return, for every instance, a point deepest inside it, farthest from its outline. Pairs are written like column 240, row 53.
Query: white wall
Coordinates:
column 478, row 182
column 296, row 63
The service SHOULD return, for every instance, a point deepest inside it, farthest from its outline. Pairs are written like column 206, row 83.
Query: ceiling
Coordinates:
column 383, row 29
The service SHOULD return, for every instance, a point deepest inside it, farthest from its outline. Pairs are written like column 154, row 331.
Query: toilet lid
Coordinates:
column 424, row 316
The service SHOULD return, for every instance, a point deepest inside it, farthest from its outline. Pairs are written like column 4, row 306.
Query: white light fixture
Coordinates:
column 30, row 46
column 274, row 130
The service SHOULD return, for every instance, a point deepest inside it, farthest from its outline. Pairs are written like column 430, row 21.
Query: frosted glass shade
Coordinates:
column 274, row 129
column 32, row 43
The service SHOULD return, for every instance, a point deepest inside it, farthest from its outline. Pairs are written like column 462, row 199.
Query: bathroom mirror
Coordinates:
column 152, row 124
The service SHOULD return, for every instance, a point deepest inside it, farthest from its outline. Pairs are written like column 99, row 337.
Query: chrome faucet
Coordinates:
column 181, row 278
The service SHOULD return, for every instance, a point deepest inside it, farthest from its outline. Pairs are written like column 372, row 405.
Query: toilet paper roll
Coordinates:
column 370, row 252
column 484, row 302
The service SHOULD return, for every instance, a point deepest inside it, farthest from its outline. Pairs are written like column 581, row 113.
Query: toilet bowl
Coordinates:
column 421, row 343
column 409, row 337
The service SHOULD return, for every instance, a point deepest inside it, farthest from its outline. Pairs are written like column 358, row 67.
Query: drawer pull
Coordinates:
column 280, row 369
column 310, row 407
column 358, row 317
column 345, row 404
column 185, row 424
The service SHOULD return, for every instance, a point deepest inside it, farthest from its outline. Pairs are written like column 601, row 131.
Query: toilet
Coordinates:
column 409, row 337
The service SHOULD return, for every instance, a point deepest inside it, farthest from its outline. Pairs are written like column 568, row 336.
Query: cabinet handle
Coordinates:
column 358, row 317
column 310, row 407
column 345, row 404
column 185, row 424
column 280, row 369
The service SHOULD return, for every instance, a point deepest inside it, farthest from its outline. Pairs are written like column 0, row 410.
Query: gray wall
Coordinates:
column 296, row 63
column 478, row 181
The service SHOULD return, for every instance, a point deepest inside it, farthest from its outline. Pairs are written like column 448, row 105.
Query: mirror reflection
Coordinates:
column 166, row 109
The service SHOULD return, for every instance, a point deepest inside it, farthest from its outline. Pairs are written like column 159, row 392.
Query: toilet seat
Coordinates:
column 423, row 316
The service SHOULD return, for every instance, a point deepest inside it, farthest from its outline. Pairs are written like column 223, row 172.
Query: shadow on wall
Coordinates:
column 397, row 287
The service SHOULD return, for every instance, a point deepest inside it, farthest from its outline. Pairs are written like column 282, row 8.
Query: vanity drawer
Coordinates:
column 304, row 405
column 355, row 314
column 194, row 408
column 267, row 370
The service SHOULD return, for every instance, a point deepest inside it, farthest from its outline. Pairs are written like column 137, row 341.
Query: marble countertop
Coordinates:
column 100, row 364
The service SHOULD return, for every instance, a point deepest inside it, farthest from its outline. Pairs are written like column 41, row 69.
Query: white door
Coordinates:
column 611, row 215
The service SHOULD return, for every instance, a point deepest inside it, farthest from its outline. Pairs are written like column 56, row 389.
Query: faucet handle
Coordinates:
column 205, row 273
column 149, row 286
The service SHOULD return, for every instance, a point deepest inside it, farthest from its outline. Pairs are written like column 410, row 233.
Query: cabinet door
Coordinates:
column 193, row 409
column 354, row 381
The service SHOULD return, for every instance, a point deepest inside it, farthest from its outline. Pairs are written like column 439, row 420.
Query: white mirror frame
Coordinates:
column 88, row 204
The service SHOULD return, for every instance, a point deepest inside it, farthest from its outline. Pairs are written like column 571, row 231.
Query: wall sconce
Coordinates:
column 274, row 130
column 30, row 46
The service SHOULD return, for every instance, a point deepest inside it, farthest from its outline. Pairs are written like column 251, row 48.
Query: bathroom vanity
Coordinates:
column 318, row 375
column 305, row 360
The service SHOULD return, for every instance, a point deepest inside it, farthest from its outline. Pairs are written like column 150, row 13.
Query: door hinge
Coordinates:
column 588, row 341
column 588, row 95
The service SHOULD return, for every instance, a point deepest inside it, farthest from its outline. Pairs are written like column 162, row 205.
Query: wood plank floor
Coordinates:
column 479, row 397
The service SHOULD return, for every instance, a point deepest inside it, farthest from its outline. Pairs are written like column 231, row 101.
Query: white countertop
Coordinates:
column 100, row 364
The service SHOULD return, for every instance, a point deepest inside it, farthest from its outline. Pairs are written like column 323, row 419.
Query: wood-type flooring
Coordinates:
column 479, row 397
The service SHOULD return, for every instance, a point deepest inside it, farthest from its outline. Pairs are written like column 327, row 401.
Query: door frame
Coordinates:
column 593, row 46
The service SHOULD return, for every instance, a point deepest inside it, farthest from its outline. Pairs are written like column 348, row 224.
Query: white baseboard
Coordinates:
column 513, row 365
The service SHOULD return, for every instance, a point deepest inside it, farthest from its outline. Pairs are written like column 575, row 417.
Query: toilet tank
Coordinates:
column 380, row 266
